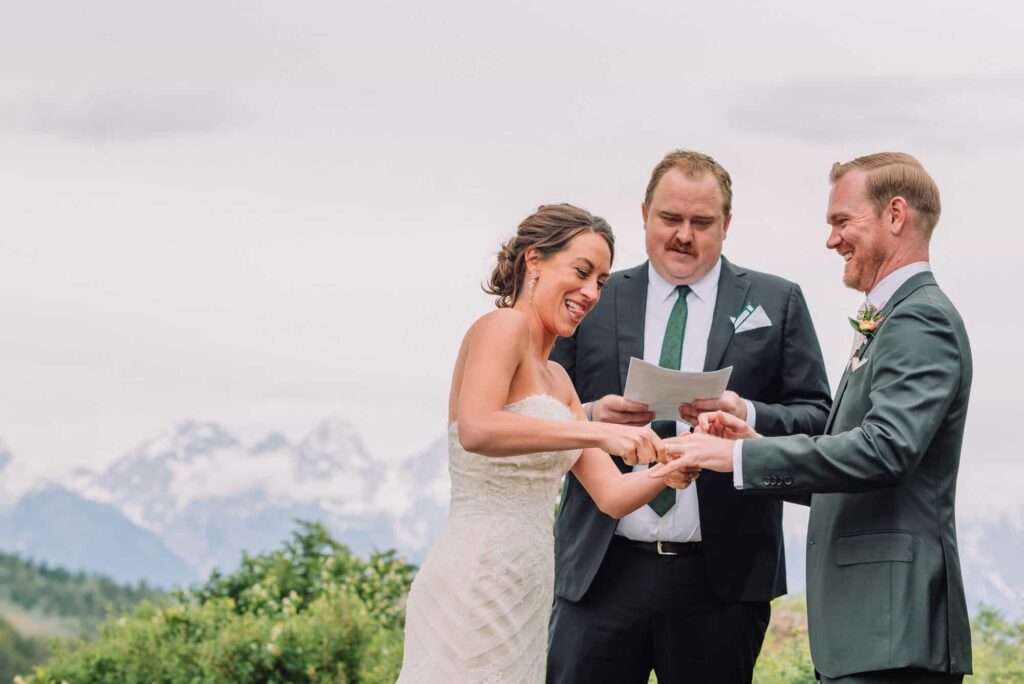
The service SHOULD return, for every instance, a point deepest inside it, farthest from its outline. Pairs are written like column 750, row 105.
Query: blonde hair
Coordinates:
column 694, row 165
column 896, row 174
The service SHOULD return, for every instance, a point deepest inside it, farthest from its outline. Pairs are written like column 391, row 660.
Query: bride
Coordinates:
column 478, row 610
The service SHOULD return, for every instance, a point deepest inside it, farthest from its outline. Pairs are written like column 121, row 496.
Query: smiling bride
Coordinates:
column 478, row 610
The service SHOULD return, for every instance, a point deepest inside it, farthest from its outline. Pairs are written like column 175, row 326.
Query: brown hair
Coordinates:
column 694, row 165
column 548, row 230
column 896, row 174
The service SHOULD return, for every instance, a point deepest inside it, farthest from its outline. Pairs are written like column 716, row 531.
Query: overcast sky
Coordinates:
column 266, row 213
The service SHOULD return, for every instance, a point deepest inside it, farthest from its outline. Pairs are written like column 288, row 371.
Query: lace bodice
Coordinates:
column 518, row 485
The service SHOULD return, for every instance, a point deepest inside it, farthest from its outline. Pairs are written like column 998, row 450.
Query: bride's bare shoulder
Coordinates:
column 500, row 322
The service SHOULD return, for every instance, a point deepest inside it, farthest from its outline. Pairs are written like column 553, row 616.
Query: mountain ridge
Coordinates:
column 203, row 495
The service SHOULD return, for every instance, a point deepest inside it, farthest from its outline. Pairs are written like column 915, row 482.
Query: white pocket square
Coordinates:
column 751, row 318
column 856, row 362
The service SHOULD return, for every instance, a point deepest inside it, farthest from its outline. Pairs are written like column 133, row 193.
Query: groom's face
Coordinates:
column 685, row 226
column 858, row 232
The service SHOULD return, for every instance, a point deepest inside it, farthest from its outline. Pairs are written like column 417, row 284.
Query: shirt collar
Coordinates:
column 705, row 288
column 880, row 293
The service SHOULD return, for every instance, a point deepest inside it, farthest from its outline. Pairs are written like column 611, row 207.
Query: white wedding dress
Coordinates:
column 479, row 607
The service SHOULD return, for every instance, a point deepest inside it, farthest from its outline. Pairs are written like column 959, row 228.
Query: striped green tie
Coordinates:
column 671, row 354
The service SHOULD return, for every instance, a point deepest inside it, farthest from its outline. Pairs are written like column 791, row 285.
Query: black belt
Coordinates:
column 663, row 548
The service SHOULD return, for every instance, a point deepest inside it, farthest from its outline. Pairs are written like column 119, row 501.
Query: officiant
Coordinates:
column 682, row 586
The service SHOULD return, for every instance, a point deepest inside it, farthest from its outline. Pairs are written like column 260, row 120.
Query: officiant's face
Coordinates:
column 858, row 234
column 685, row 226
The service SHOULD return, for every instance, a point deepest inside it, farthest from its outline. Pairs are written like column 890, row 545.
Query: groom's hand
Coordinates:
column 729, row 402
column 696, row 452
column 615, row 409
column 722, row 424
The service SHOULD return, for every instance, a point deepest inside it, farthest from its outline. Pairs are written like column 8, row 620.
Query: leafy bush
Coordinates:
column 17, row 652
column 998, row 648
column 786, row 658
column 309, row 612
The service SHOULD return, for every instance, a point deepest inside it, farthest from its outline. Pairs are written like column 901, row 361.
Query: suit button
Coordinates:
column 788, row 481
column 766, row 481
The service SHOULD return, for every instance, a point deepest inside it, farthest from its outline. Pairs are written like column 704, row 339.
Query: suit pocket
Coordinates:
column 753, row 341
column 874, row 547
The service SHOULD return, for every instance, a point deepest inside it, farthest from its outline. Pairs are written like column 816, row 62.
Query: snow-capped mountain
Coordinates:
column 194, row 497
column 208, row 496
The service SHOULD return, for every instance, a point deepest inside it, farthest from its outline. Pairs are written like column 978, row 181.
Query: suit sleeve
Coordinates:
column 804, row 398
column 915, row 375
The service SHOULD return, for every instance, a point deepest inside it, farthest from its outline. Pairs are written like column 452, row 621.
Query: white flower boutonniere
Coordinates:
column 867, row 321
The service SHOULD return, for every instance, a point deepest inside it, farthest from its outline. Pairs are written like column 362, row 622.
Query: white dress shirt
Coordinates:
column 682, row 522
column 877, row 297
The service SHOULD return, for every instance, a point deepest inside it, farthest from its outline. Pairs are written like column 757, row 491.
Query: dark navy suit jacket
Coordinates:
column 779, row 368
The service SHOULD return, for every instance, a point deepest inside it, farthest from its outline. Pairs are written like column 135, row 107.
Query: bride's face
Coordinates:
column 570, row 283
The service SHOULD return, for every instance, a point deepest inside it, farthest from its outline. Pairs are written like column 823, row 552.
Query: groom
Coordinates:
column 885, row 599
column 683, row 585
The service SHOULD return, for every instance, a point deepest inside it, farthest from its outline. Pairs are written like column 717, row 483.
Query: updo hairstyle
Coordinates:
column 548, row 230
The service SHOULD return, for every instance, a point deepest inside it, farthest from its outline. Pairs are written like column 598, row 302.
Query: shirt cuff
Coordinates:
column 751, row 413
column 737, row 464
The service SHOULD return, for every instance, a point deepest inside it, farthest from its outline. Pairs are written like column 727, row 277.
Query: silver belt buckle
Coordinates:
column 664, row 553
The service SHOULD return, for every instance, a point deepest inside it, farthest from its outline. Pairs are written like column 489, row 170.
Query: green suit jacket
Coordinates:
column 884, row 588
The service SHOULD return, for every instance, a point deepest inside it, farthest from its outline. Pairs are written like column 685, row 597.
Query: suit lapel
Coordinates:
column 631, row 309
column 913, row 283
column 732, row 295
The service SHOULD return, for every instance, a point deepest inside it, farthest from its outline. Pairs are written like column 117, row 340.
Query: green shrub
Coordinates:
column 998, row 646
column 309, row 612
column 18, row 653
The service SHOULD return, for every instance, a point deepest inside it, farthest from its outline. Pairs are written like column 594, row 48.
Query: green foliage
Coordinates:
column 58, row 592
column 785, row 655
column 18, row 653
column 786, row 658
column 998, row 648
column 308, row 612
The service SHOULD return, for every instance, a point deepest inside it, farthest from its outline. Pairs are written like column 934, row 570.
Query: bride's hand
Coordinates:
column 722, row 424
column 634, row 445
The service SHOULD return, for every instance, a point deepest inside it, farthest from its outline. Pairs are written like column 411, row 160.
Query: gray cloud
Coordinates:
column 954, row 113
column 126, row 115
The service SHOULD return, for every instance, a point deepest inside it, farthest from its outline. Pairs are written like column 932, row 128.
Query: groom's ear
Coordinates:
column 897, row 212
column 725, row 225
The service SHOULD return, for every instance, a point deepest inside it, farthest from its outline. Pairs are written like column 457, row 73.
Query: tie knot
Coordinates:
column 683, row 290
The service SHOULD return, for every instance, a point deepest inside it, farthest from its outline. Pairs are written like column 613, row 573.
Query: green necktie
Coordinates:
column 671, row 354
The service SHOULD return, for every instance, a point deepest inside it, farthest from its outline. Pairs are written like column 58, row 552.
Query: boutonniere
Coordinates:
column 867, row 321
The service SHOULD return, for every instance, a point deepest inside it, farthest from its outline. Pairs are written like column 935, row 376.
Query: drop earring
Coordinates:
column 532, row 284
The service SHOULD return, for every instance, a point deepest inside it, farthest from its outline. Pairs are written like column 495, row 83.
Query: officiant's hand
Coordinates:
column 722, row 424
column 615, row 409
column 729, row 402
column 634, row 445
